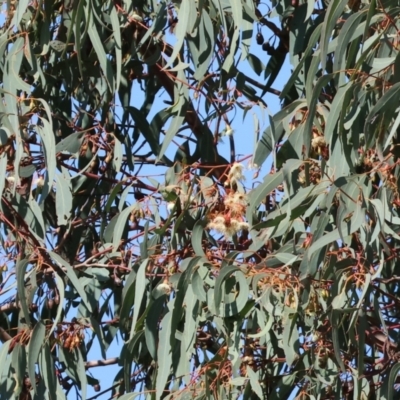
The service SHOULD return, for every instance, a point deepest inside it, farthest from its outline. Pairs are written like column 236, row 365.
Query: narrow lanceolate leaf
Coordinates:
column 63, row 199
column 18, row 363
column 75, row 283
column 117, row 154
column 236, row 9
column 140, row 288
column 186, row 7
column 247, row 27
column 333, row 13
column 183, row 284
column 221, row 277
column 19, row 13
column 192, row 313
column 3, row 166
column 36, row 210
column 271, row 181
column 254, row 382
column 164, row 351
column 71, row 144
column 386, row 102
column 118, row 46
column 21, row 268
column 151, row 325
column 178, row 112
column 82, row 374
column 104, row 61
column 61, row 290
column 46, row 365
column 389, row 384
column 120, row 225
column 100, row 335
column 197, row 237
column 49, row 147
column 35, row 345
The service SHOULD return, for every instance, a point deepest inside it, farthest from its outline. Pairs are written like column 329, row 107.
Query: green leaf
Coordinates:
column 18, row 363
column 71, row 143
column 237, row 15
column 99, row 49
column 98, row 331
column 164, row 355
column 389, row 383
column 35, row 345
column 256, row 64
column 69, row 271
column 335, row 9
column 178, row 111
column 82, row 374
column 183, row 284
column 49, row 148
column 202, row 46
column 385, row 103
column 120, row 224
column 140, row 287
column 186, row 8
column 291, row 340
column 21, row 268
column 230, row 304
column 294, row 76
column 254, row 382
column 61, row 290
column 271, row 181
column 197, row 237
column 19, row 12
column 198, row 284
column 3, row 167
column 147, row 130
column 63, row 198
column 118, row 46
column 151, row 325
column 46, row 365
column 345, row 36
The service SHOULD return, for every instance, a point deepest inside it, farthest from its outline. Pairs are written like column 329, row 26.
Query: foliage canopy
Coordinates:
column 121, row 218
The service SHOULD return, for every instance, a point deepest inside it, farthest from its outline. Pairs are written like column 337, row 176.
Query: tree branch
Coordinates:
column 4, row 336
column 101, row 363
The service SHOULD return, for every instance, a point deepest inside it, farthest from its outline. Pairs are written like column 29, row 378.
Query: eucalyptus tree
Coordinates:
column 125, row 218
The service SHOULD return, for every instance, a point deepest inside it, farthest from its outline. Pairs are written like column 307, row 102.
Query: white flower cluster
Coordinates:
column 235, row 174
column 228, row 131
column 233, row 221
column 236, row 203
column 227, row 227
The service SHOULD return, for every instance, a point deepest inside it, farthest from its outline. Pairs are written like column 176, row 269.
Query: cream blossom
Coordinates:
column 236, row 173
column 236, row 203
column 227, row 226
column 228, row 131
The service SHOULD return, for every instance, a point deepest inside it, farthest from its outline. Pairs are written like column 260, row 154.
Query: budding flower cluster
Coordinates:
column 233, row 221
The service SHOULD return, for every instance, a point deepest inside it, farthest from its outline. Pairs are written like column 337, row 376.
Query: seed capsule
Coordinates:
column 266, row 46
column 259, row 38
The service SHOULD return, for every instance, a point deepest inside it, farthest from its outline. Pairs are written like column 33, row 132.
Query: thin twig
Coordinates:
column 101, row 363
column 105, row 391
